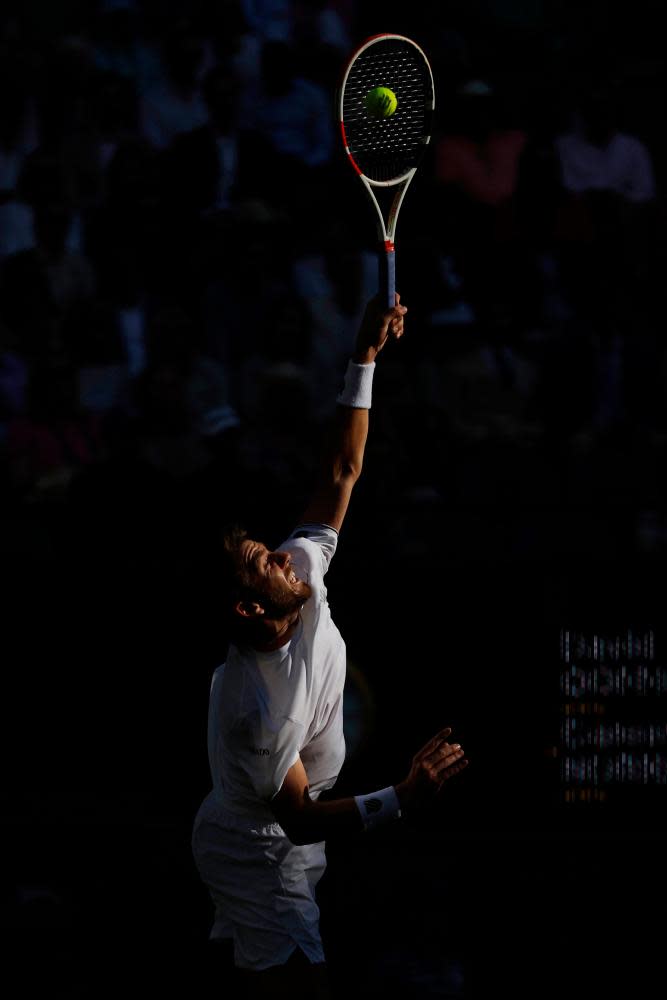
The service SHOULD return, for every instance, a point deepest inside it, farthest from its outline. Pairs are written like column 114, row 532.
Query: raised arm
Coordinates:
column 345, row 454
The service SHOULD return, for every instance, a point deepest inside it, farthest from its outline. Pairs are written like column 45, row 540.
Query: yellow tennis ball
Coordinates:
column 381, row 102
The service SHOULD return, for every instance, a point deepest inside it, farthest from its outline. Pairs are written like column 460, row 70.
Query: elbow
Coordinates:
column 294, row 824
column 347, row 473
column 297, row 840
column 300, row 831
column 299, row 834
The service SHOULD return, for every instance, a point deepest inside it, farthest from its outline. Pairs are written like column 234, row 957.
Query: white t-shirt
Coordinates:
column 264, row 710
column 624, row 165
column 267, row 709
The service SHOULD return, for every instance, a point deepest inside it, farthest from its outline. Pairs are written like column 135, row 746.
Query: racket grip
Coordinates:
column 388, row 274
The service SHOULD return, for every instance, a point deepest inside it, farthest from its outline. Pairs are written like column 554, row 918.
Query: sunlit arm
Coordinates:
column 344, row 455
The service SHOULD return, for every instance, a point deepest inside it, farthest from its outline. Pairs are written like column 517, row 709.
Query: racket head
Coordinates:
column 387, row 150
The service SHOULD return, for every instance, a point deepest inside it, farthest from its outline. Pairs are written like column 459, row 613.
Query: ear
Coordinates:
column 248, row 609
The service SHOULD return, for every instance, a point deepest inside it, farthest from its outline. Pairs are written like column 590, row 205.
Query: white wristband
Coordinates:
column 378, row 807
column 357, row 390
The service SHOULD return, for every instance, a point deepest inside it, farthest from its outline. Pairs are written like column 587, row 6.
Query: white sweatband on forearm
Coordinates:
column 358, row 386
column 378, row 807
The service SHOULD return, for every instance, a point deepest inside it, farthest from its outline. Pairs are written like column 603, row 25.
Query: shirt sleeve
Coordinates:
column 323, row 536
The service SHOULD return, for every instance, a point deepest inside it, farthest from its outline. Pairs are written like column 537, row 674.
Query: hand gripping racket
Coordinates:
column 386, row 102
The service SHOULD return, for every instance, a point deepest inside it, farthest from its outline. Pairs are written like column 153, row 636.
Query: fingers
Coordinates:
column 444, row 760
column 452, row 771
column 443, row 749
column 381, row 324
column 396, row 327
column 377, row 308
column 435, row 763
column 392, row 322
column 438, row 766
column 397, row 309
column 433, row 743
column 447, row 759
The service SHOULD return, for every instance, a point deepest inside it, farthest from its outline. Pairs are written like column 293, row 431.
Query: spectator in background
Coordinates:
column 480, row 159
column 604, row 240
column 293, row 114
column 596, row 156
column 176, row 104
column 18, row 138
column 608, row 188
column 283, row 345
column 69, row 125
column 234, row 44
column 335, row 282
column 323, row 22
column 322, row 38
column 248, row 277
column 477, row 169
column 53, row 441
column 116, row 115
column 123, row 239
column 40, row 284
column 204, row 163
column 538, row 199
column 183, row 399
column 119, row 48
column 270, row 20
column 290, row 118
column 92, row 339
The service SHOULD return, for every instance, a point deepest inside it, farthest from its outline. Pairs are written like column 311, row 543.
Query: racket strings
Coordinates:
column 385, row 148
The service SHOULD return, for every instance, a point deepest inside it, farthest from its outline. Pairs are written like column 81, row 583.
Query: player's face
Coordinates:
column 274, row 577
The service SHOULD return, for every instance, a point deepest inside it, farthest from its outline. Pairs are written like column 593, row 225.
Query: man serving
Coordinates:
column 275, row 726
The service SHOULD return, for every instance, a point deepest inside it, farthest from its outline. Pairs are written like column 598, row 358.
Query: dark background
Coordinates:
column 494, row 511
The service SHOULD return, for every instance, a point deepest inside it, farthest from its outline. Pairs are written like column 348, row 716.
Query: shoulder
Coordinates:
column 317, row 541
column 629, row 143
column 218, row 673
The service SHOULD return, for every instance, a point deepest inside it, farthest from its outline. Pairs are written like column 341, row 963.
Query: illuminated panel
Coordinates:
column 613, row 728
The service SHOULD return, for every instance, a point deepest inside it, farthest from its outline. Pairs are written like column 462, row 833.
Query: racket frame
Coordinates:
column 386, row 228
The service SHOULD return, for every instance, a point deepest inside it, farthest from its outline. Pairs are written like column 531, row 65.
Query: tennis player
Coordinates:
column 275, row 725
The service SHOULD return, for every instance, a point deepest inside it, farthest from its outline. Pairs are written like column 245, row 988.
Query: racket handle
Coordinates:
column 388, row 274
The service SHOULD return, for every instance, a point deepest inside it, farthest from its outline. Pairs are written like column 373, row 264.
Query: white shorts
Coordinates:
column 262, row 886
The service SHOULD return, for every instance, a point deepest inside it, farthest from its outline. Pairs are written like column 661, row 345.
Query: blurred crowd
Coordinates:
column 185, row 257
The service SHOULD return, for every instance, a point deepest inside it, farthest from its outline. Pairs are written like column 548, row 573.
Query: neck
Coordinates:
column 279, row 633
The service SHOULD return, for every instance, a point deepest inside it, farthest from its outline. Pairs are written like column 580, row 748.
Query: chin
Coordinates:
column 286, row 602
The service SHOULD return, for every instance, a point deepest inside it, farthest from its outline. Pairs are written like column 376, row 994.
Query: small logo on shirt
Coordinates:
column 373, row 805
column 260, row 751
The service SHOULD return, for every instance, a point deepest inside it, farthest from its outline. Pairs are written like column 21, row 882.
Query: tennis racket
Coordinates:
column 383, row 145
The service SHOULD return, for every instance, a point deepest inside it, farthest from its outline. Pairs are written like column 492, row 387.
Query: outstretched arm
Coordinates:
column 307, row 822
column 345, row 454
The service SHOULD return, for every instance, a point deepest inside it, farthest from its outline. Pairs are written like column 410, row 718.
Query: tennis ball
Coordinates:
column 381, row 102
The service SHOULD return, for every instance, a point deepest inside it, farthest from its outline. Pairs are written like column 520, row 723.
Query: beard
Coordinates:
column 280, row 602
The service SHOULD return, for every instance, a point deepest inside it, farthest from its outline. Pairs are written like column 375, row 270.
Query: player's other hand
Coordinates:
column 432, row 766
column 377, row 327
